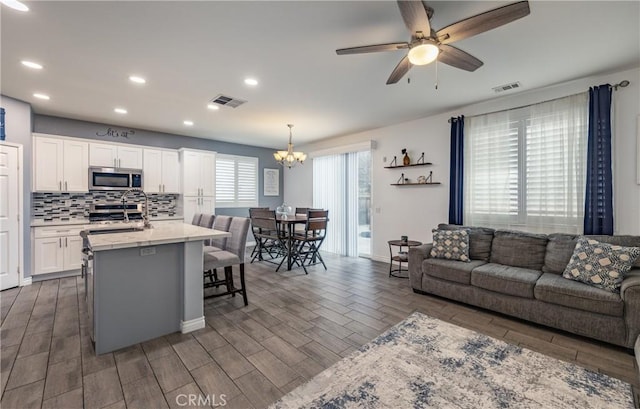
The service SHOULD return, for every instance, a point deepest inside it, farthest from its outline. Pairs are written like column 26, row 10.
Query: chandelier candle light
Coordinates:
column 289, row 158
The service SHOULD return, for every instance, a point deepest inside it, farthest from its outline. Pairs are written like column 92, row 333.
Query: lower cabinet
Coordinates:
column 197, row 204
column 56, row 249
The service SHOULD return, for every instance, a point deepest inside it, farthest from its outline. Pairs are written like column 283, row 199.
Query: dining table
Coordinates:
column 289, row 222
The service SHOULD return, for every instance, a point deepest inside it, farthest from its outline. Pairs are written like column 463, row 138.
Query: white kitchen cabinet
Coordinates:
column 115, row 156
column 60, row 165
column 198, row 182
column 195, row 204
column 198, row 173
column 56, row 249
column 48, row 255
column 161, row 171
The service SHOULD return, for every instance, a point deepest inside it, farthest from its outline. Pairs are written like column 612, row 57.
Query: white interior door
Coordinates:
column 9, row 224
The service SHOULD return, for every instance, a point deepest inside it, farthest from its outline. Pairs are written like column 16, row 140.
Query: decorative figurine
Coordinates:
column 406, row 161
column 422, row 179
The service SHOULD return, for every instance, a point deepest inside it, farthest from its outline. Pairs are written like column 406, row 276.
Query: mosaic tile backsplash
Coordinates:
column 74, row 206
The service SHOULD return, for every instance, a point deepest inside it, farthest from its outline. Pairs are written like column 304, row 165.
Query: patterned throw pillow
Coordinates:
column 451, row 244
column 601, row 265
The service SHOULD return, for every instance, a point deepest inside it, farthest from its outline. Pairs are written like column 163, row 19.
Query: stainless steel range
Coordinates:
column 110, row 212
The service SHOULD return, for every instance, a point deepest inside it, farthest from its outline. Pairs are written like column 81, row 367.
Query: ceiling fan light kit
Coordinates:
column 424, row 53
column 427, row 45
column 289, row 158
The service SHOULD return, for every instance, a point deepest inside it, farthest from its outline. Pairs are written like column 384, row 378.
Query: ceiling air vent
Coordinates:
column 507, row 87
column 227, row 101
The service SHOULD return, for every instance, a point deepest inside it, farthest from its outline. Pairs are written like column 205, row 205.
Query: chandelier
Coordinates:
column 289, row 158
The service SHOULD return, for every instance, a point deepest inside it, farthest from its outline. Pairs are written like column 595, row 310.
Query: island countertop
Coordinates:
column 161, row 234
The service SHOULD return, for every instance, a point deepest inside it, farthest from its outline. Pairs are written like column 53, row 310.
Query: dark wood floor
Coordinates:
column 294, row 327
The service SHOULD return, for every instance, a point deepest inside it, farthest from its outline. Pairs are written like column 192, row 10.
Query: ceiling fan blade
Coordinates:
column 372, row 48
column 401, row 69
column 483, row 22
column 416, row 17
column 455, row 57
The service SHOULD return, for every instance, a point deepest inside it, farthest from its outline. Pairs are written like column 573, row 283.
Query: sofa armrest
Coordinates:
column 630, row 293
column 630, row 285
column 416, row 255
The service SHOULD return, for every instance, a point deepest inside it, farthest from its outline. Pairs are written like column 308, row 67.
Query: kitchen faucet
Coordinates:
column 145, row 216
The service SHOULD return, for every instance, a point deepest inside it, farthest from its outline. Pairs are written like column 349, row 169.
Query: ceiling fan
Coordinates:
column 427, row 45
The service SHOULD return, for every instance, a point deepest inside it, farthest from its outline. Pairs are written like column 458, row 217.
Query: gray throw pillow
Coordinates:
column 600, row 265
column 451, row 244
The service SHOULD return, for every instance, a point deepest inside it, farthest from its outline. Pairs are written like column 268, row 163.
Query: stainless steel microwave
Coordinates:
column 114, row 178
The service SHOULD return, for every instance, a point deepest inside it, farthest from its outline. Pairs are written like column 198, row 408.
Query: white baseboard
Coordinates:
column 192, row 325
column 26, row 281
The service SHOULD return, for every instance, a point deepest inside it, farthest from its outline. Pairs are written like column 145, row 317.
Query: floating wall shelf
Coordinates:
column 415, row 184
column 408, row 166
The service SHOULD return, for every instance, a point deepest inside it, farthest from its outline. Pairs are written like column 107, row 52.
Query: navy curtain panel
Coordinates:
column 456, row 174
column 598, row 210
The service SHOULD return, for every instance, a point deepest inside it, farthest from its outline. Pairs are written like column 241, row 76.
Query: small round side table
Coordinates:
column 400, row 257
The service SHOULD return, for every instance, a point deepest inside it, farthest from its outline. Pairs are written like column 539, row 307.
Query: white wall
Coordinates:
column 415, row 210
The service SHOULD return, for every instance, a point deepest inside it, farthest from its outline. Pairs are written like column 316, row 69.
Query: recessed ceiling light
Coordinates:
column 31, row 64
column 41, row 96
column 188, row 123
column 251, row 81
column 213, row 107
column 15, row 4
column 120, row 110
column 137, row 80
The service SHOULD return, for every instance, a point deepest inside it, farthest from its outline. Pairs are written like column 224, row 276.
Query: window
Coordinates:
column 236, row 181
column 526, row 168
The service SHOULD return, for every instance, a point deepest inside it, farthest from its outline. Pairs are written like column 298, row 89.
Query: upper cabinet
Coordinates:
column 115, row 156
column 60, row 165
column 198, row 173
column 161, row 171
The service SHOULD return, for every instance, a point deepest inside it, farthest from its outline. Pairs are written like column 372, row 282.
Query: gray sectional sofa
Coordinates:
column 520, row 274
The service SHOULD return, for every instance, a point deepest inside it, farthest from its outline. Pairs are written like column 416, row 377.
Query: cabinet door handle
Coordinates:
column 115, row 165
column 119, row 162
column 60, row 242
column 163, row 187
column 65, row 185
column 159, row 188
column 59, row 185
column 66, row 244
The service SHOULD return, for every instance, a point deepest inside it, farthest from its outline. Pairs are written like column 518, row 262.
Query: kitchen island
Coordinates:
column 140, row 285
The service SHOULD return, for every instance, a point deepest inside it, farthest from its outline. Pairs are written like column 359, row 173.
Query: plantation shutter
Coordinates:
column 236, row 181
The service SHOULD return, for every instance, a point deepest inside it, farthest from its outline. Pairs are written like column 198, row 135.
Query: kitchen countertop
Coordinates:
column 80, row 222
column 163, row 234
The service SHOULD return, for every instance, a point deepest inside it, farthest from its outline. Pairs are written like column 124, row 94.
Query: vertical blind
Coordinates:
column 335, row 188
column 236, row 181
column 526, row 167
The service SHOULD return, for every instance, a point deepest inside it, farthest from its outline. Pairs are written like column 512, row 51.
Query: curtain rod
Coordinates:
column 621, row 84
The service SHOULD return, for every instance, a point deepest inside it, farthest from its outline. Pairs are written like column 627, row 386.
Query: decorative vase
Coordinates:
column 406, row 161
column 284, row 210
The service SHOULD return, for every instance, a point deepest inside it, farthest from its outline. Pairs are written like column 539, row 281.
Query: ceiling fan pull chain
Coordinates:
column 436, row 74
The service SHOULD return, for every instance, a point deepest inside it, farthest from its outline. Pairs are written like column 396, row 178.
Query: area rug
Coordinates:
column 426, row 363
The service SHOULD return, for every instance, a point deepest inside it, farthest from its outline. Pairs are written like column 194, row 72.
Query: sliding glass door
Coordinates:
column 342, row 184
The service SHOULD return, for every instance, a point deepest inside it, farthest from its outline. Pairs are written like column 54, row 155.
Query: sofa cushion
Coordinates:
column 555, row 289
column 559, row 250
column 480, row 239
column 505, row 279
column 626, row 241
column 601, row 265
column 451, row 244
column 519, row 249
column 450, row 270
